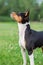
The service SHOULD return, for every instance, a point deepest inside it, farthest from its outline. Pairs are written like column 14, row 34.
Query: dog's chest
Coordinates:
column 22, row 28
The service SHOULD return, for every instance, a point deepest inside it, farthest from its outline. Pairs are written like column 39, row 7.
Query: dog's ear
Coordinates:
column 27, row 13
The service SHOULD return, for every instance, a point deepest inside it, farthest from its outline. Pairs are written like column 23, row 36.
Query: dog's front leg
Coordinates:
column 24, row 55
column 31, row 57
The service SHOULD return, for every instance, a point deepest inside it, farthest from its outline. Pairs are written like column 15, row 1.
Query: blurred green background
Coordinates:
column 10, row 53
column 35, row 7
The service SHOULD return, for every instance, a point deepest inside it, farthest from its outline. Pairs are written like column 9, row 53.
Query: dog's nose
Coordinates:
column 11, row 15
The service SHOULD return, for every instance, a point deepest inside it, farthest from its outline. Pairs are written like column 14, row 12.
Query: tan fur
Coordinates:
column 16, row 17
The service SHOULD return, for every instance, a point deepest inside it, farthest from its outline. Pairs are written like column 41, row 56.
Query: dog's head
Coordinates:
column 20, row 17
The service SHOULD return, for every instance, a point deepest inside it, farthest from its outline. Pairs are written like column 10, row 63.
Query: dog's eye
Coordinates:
column 22, row 14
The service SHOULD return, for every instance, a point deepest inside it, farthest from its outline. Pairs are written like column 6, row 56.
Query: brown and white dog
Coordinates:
column 28, row 38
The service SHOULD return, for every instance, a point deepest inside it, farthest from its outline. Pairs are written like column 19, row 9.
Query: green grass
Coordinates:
column 10, row 53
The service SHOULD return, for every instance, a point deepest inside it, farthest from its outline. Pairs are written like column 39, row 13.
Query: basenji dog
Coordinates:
column 28, row 39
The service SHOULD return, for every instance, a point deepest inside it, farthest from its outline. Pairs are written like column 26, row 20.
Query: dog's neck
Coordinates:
column 22, row 28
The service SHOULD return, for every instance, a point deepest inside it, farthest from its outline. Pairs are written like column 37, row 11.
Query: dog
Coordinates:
column 28, row 39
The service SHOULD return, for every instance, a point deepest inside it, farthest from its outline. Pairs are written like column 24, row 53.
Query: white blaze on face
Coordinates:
column 12, row 15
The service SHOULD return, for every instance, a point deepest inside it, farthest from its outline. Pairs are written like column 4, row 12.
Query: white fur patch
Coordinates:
column 31, row 57
column 22, row 28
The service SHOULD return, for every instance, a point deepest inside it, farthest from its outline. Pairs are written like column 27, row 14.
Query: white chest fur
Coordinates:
column 22, row 28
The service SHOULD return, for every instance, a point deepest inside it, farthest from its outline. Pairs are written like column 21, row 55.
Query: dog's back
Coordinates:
column 33, row 39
